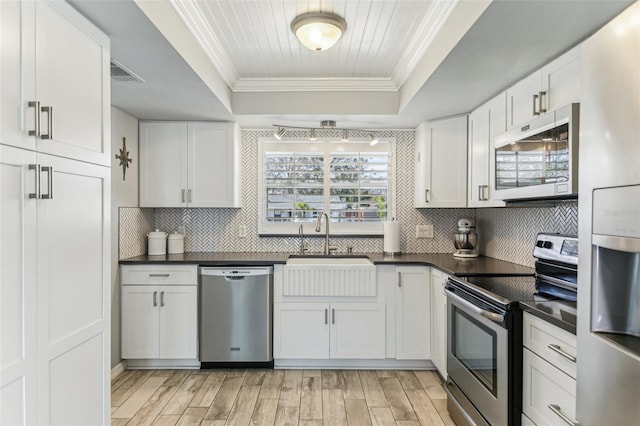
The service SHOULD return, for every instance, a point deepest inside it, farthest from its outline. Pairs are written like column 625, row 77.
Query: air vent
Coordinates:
column 120, row 73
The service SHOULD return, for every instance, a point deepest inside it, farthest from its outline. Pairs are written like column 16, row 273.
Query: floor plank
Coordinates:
column 122, row 377
column 408, row 380
column 287, row 416
column 331, row 379
column 333, row 409
column 177, row 377
column 264, row 412
column 431, row 384
column 372, row 390
column 254, row 378
column 244, row 405
column 441, row 406
column 154, row 405
column 192, row 416
column 184, row 395
column 306, row 422
column 222, row 403
column 129, row 408
column 311, row 373
column 209, row 389
column 311, row 398
column 271, row 384
column 168, row 420
column 381, row 416
column 291, row 389
column 126, row 389
column 398, row 401
column 351, row 385
column 357, row 412
column 424, row 408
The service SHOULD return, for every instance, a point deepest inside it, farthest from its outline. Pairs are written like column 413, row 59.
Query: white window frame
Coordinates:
column 266, row 228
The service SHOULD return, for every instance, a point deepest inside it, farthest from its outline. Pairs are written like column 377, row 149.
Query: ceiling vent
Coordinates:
column 120, row 73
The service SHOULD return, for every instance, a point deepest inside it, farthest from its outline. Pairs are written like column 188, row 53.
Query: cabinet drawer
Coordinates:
column 544, row 387
column 550, row 342
column 159, row 275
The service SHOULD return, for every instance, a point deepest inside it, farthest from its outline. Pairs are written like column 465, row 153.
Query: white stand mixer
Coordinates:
column 466, row 239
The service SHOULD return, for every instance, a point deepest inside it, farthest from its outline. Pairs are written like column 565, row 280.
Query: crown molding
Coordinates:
column 315, row 85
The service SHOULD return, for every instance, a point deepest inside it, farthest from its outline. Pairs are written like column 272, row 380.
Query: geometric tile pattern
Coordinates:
column 504, row 233
column 134, row 225
column 215, row 230
column 509, row 233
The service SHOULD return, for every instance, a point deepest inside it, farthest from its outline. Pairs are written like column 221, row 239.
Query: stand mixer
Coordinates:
column 466, row 239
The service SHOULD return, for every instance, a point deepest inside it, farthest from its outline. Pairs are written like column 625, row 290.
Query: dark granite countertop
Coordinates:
column 559, row 313
column 443, row 261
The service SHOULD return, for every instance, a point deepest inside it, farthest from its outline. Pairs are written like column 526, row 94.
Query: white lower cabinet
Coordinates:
column 439, row 321
column 160, row 321
column 548, row 376
column 329, row 330
column 412, row 313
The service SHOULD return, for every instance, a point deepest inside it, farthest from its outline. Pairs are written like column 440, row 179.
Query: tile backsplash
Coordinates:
column 505, row 233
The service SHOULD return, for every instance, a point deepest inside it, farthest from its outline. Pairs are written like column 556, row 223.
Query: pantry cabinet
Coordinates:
column 329, row 330
column 413, row 313
column 486, row 122
column 189, row 164
column 159, row 312
column 55, row 90
column 441, row 163
column 553, row 86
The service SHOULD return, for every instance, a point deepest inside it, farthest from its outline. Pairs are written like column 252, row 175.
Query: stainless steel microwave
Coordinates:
column 539, row 160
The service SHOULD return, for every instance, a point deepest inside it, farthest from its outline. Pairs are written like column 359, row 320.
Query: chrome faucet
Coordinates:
column 301, row 233
column 326, row 230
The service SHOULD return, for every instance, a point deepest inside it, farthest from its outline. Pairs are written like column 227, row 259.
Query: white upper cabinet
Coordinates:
column 485, row 123
column 55, row 94
column 189, row 164
column 441, row 163
column 553, row 86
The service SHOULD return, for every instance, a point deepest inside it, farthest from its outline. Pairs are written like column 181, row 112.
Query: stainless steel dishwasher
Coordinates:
column 236, row 316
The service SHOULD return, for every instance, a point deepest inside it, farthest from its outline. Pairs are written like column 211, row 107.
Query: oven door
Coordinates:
column 477, row 351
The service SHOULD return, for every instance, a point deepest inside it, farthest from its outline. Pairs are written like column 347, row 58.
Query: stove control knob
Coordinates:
column 539, row 243
column 547, row 244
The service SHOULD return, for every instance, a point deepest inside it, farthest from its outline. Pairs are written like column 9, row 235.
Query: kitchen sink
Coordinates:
column 329, row 275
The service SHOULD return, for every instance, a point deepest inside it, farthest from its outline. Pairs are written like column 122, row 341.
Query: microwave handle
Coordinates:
column 535, row 101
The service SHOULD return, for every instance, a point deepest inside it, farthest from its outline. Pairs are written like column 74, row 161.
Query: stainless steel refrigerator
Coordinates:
column 608, row 377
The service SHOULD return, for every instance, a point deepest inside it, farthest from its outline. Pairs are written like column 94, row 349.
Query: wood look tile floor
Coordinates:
column 278, row 397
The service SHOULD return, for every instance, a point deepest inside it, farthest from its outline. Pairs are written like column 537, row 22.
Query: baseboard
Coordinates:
column 118, row 369
column 350, row 364
column 162, row 363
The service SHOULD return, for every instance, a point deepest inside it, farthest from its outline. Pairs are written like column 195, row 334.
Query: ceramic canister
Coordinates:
column 157, row 243
column 176, row 243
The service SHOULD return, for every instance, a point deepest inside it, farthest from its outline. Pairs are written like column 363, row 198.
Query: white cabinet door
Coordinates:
column 545, row 389
column 140, row 322
column 441, row 163
column 439, row 321
column 413, row 318
column 18, row 290
column 561, row 80
column 73, row 291
column 485, row 123
column 163, row 164
column 301, row 330
column 357, row 330
column 523, row 100
column 17, row 68
column 178, row 322
column 213, row 153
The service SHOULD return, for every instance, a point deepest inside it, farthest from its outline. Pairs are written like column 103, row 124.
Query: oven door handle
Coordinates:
column 495, row 317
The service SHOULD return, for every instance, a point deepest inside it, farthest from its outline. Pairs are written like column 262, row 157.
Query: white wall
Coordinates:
column 124, row 193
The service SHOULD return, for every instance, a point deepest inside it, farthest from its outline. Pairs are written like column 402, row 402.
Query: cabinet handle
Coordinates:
column 155, row 298
column 562, row 353
column 333, row 316
column 49, row 194
column 49, row 111
column 36, row 193
column 160, row 275
column 480, row 192
column 486, row 193
column 557, row 411
column 426, row 195
column 326, row 316
column 161, row 298
column 541, row 107
column 183, row 199
column 189, row 195
column 399, row 279
column 36, row 117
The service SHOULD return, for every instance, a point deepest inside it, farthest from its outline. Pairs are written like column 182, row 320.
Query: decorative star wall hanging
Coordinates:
column 124, row 158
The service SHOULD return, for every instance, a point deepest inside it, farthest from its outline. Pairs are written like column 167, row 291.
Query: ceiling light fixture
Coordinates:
column 327, row 125
column 318, row 30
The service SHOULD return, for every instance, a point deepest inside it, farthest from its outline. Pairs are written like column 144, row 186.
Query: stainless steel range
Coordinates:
column 484, row 338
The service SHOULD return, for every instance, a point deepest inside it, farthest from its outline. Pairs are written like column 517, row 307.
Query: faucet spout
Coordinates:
column 326, row 230
column 301, row 234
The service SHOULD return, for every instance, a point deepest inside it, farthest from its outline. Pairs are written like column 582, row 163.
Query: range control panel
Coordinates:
column 562, row 248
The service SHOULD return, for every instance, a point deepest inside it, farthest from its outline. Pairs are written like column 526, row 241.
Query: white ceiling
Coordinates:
column 400, row 61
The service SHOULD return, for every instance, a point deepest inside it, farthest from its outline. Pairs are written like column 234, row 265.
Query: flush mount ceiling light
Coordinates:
column 318, row 30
